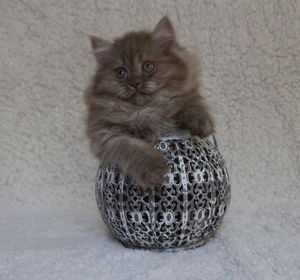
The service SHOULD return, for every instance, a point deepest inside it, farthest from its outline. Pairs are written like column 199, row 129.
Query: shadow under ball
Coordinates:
column 184, row 212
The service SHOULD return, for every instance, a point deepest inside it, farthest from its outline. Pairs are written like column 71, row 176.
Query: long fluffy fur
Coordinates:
column 123, row 123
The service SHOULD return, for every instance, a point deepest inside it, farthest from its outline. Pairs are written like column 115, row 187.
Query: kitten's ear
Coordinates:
column 100, row 47
column 164, row 32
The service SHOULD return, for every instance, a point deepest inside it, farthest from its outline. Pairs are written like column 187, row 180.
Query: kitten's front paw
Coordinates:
column 151, row 170
column 201, row 128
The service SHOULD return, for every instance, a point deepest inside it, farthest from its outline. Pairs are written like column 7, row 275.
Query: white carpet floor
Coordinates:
column 252, row 243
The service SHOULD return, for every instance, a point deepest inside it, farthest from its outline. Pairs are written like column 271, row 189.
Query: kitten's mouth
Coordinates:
column 135, row 93
column 142, row 92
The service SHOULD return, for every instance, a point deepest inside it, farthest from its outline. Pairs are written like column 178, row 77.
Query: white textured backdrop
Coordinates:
column 250, row 57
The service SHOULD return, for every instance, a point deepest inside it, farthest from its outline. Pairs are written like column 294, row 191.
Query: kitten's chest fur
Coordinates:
column 149, row 124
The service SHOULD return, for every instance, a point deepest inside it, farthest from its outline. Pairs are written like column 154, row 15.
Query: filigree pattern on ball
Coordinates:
column 184, row 212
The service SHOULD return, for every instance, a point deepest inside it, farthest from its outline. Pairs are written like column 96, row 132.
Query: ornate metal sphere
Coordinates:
column 183, row 213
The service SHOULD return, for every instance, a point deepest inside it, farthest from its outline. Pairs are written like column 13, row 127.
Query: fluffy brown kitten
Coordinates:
column 144, row 81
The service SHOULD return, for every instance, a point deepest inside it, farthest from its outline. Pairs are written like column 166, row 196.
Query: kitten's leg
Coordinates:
column 195, row 117
column 136, row 158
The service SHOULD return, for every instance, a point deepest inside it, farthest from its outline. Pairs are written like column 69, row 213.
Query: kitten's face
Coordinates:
column 139, row 65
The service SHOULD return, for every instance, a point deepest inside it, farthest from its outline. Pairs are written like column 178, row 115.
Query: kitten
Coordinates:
column 144, row 81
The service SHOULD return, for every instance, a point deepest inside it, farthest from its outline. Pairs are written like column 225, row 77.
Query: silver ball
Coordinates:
column 183, row 213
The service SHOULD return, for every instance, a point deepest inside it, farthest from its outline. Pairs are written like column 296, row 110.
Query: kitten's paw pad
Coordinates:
column 151, row 172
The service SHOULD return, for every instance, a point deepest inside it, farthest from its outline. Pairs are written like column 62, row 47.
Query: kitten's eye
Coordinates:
column 121, row 73
column 148, row 67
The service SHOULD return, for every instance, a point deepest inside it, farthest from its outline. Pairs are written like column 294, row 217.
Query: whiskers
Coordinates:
column 150, row 86
column 125, row 92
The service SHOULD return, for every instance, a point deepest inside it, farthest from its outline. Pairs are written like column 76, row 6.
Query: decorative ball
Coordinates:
column 183, row 213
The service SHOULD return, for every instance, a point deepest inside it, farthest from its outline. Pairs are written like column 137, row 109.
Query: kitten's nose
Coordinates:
column 135, row 83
